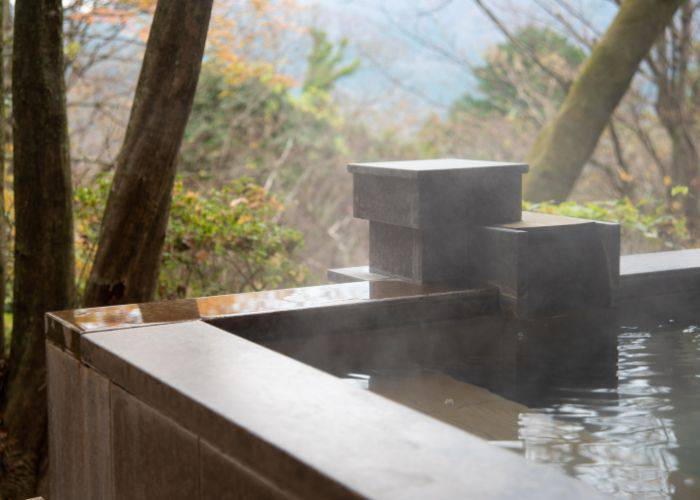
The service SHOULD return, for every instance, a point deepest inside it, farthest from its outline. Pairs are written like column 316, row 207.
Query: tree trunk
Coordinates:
column 685, row 162
column 133, row 227
column 43, row 236
column 5, row 135
column 563, row 147
column 4, row 236
column 678, row 91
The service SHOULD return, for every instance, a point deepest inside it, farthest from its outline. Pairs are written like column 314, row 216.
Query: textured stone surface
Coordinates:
column 659, row 263
column 646, row 275
column 470, row 198
column 79, row 429
column 299, row 427
column 643, row 275
column 65, row 429
column 437, row 192
column 548, row 264
column 154, row 458
column 223, row 478
column 66, row 327
column 365, row 315
column 497, row 257
column 609, row 234
column 387, row 199
column 395, row 250
column 358, row 273
column 431, row 255
column 420, row 168
column 420, row 212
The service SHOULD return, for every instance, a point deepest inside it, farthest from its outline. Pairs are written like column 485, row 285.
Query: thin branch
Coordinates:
column 620, row 157
column 565, row 83
column 569, row 27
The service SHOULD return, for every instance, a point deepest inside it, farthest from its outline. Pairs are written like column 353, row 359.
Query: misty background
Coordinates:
column 292, row 90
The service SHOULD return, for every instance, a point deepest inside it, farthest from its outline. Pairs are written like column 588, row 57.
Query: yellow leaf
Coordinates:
column 244, row 218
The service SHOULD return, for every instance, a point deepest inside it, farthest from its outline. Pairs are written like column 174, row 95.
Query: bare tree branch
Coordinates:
column 526, row 49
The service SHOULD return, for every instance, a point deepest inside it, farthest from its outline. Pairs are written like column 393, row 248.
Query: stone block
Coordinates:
column 497, row 257
column 548, row 264
column 434, row 254
column 355, row 274
column 223, row 477
column 446, row 192
column 79, row 429
column 306, row 431
column 653, row 274
column 359, row 316
column 153, row 456
column 609, row 234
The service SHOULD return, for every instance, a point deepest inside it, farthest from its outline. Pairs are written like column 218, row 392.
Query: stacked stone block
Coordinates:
column 420, row 212
column 461, row 222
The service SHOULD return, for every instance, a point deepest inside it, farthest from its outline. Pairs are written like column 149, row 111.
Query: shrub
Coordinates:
column 224, row 240
column 647, row 225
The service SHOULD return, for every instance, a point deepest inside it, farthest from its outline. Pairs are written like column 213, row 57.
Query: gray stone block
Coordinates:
column 79, row 429
column 287, row 429
column 355, row 274
column 224, row 477
column 609, row 234
column 386, row 199
column 497, row 257
column 153, row 456
column 447, row 192
column 548, row 264
column 653, row 274
column 434, row 254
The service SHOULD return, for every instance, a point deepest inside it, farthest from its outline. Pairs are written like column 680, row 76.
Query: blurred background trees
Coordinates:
column 272, row 106
column 566, row 142
column 132, row 232
column 278, row 105
column 251, row 191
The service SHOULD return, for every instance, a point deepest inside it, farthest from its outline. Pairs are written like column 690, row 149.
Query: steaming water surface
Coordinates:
column 616, row 406
column 633, row 434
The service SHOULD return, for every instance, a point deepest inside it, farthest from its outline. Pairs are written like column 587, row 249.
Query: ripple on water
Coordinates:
column 635, row 435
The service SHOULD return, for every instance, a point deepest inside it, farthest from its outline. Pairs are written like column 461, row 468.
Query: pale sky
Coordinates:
column 426, row 46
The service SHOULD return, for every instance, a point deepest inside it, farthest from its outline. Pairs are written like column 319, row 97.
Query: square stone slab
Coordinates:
column 434, row 254
column 442, row 192
column 547, row 264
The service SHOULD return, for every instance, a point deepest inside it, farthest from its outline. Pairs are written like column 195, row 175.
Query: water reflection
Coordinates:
column 616, row 406
column 292, row 299
column 640, row 438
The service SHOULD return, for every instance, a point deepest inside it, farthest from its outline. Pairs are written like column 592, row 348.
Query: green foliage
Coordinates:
column 229, row 117
column 227, row 240
column 248, row 126
column 679, row 191
column 647, row 220
column 325, row 63
column 291, row 140
column 8, row 332
column 495, row 79
column 88, row 206
column 224, row 240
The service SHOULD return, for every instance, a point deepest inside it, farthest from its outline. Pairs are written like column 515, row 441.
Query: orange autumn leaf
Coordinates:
column 625, row 176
